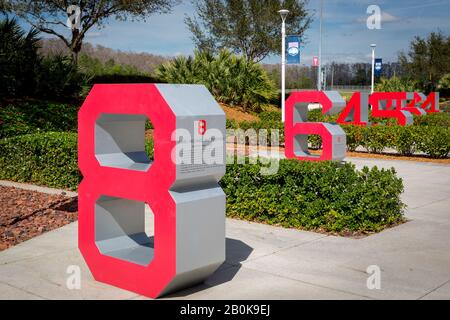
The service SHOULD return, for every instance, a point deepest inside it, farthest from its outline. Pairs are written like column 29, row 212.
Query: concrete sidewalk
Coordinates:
column 265, row 262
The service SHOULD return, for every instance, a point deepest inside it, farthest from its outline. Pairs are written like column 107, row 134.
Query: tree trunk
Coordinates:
column 75, row 46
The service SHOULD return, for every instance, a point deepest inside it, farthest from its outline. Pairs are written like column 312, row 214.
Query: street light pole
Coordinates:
column 319, row 71
column 373, row 66
column 332, row 76
column 283, row 13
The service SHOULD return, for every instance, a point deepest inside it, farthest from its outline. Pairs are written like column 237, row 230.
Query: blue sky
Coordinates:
column 346, row 37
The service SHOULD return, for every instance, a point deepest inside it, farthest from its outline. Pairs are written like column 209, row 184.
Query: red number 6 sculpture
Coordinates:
column 297, row 128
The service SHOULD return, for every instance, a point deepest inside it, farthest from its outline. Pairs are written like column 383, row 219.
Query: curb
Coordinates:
column 33, row 187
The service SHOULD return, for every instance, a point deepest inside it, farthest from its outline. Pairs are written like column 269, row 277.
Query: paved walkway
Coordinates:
column 266, row 262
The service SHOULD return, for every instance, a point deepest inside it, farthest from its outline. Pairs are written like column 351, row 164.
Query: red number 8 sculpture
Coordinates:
column 118, row 182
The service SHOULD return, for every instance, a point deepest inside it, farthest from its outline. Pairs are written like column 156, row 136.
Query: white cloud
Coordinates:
column 385, row 18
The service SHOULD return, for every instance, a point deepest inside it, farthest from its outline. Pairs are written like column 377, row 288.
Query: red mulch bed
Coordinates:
column 25, row 214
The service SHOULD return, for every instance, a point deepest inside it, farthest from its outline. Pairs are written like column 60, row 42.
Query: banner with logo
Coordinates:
column 315, row 62
column 378, row 67
column 292, row 49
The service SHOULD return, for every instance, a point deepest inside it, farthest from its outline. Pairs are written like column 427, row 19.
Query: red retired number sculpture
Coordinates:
column 119, row 180
column 356, row 111
column 297, row 127
column 397, row 105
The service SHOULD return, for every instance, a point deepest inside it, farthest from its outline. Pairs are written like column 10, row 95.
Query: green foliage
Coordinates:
column 428, row 60
column 94, row 67
column 231, row 124
column 435, row 141
column 45, row 158
column 270, row 116
column 406, row 139
column 315, row 141
column 271, row 121
column 377, row 138
column 18, row 59
column 248, row 27
column 95, row 71
column 395, row 84
column 58, row 79
column 48, row 159
column 307, row 195
column 441, row 119
column 316, row 115
column 24, row 73
column 444, row 85
column 355, row 136
column 48, row 16
column 432, row 140
column 30, row 117
column 149, row 148
column 230, row 78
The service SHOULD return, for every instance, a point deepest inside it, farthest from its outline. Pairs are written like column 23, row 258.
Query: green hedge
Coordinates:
column 48, row 159
column 433, row 141
column 431, row 134
column 306, row 195
column 311, row 196
column 29, row 117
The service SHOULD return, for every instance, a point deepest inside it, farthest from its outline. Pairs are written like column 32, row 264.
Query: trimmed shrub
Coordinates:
column 355, row 136
column 269, row 124
column 406, row 139
column 231, row 124
column 311, row 196
column 433, row 119
column 434, row 141
column 326, row 196
column 30, row 117
column 377, row 138
column 430, row 139
column 315, row 141
column 48, row 159
column 270, row 116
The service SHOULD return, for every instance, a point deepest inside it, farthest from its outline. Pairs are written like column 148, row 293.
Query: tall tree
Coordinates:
column 52, row 16
column 248, row 27
column 428, row 60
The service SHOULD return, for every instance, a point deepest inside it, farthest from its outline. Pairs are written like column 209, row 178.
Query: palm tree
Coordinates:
column 18, row 58
column 230, row 78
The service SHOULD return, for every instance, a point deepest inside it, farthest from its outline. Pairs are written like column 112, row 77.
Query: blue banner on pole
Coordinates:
column 378, row 67
column 293, row 49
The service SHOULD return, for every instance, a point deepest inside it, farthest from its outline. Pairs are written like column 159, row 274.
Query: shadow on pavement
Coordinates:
column 236, row 252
